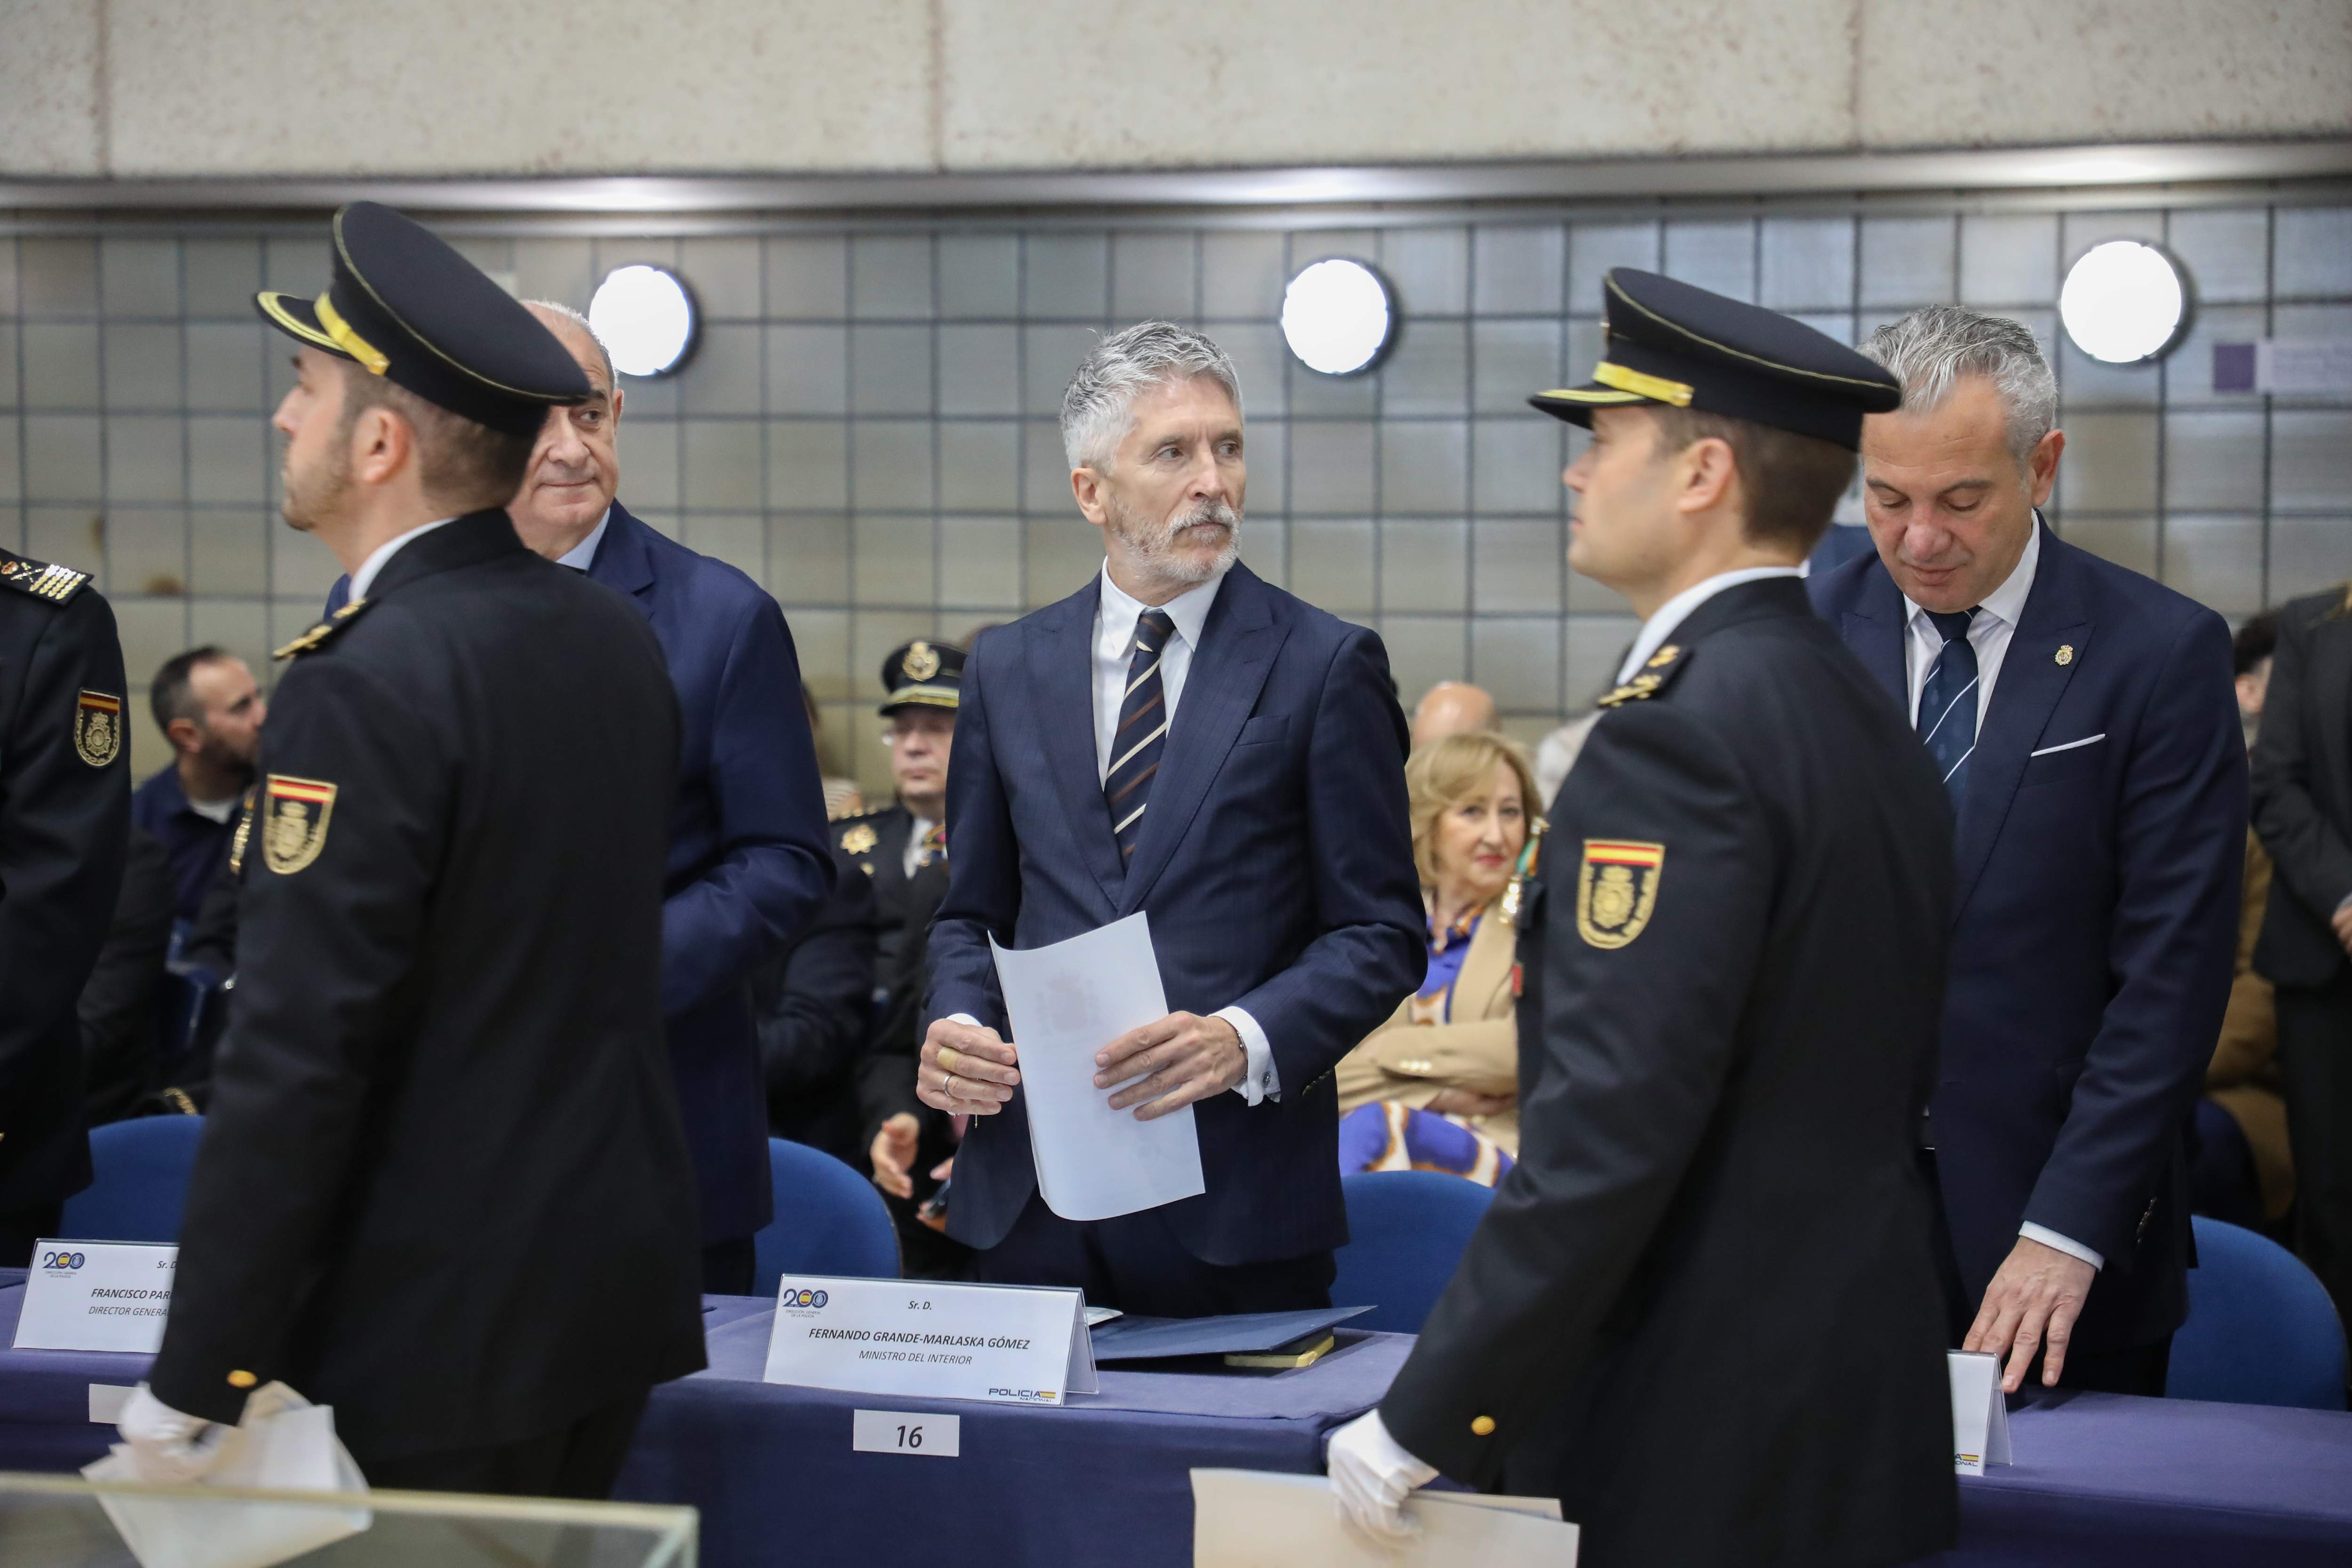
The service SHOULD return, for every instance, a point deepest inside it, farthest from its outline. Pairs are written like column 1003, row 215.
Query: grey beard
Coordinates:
column 1156, row 548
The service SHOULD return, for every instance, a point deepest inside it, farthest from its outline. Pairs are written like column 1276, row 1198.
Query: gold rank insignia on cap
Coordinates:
column 859, row 839
column 922, row 661
column 2065, row 653
column 241, row 1378
column 98, row 728
column 1616, row 889
column 295, row 813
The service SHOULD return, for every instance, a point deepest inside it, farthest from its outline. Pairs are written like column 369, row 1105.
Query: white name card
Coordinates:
column 97, row 1296
column 1980, row 1412
column 1016, row 1345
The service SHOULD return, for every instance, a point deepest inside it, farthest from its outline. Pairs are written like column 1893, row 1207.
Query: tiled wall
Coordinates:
column 869, row 425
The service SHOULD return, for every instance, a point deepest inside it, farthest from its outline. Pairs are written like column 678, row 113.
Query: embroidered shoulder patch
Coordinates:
column 41, row 579
column 98, row 728
column 1616, row 889
column 295, row 813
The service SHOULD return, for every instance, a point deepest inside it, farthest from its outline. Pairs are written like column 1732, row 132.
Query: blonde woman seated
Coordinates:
column 1452, row 1052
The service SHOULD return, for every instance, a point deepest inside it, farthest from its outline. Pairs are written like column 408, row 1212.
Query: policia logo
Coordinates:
column 294, row 822
column 98, row 728
column 1616, row 889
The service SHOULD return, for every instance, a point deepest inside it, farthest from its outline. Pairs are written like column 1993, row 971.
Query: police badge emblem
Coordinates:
column 859, row 839
column 294, row 822
column 922, row 661
column 1616, row 889
column 98, row 728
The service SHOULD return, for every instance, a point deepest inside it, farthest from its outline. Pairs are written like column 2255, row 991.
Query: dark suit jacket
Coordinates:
column 2303, row 791
column 121, row 1035
column 64, row 823
column 1702, row 1309
column 443, row 1185
column 749, row 861
column 1276, row 864
column 815, row 1003
column 2095, row 925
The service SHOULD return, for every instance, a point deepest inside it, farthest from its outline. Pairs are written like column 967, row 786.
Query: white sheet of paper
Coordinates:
column 1256, row 1518
column 1067, row 1001
column 1980, row 1412
column 284, row 1443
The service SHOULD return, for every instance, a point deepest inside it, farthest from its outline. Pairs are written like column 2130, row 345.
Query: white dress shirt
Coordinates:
column 583, row 555
column 365, row 578
column 911, row 860
column 1114, row 646
column 1989, row 634
column 1676, row 610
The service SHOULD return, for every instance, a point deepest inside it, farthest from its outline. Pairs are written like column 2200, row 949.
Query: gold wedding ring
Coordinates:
column 949, row 1057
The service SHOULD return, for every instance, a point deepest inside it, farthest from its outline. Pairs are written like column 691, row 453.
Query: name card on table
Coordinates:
column 97, row 1296
column 1980, row 1412
column 1015, row 1344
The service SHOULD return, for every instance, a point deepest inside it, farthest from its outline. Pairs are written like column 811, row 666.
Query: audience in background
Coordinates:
column 120, row 1008
column 2303, row 811
column 206, row 705
column 2240, row 1166
column 1437, row 1085
column 1451, row 708
column 1556, row 753
column 814, row 1006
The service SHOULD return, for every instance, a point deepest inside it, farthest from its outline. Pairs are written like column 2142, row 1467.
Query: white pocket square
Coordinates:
column 2085, row 740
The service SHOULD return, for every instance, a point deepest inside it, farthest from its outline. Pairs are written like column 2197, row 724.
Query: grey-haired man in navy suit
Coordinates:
column 2085, row 721
column 1181, row 737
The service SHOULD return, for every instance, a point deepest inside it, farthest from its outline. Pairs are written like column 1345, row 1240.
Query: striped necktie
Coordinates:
column 1948, row 703
column 1143, row 732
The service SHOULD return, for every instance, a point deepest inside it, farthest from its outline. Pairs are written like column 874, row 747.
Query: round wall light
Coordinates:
column 647, row 317
column 2124, row 302
column 1338, row 317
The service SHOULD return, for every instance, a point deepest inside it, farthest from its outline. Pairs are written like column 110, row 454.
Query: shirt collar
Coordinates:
column 2006, row 603
column 1189, row 609
column 365, row 578
column 583, row 555
column 1676, row 610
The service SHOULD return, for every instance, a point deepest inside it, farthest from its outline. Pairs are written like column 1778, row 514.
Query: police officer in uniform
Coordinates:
column 443, row 1185
column 65, row 817
column 1703, row 1311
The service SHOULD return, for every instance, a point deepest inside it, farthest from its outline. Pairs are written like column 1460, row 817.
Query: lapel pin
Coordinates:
column 2065, row 653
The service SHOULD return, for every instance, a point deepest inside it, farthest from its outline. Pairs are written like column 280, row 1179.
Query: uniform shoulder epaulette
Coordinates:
column 41, row 579
column 1656, row 676
column 325, row 631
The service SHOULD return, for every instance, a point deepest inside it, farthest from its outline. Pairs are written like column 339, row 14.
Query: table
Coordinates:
column 2100, row 1479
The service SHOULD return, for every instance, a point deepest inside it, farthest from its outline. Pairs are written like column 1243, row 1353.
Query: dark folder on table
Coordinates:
column 1244, row 1338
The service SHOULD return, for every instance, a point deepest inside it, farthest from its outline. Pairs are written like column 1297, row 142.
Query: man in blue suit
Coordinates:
column 2084, row 721
column 1177, row 737
column 748, row 858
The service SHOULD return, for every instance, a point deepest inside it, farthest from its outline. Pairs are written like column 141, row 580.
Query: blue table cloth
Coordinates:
column 2099, row 1479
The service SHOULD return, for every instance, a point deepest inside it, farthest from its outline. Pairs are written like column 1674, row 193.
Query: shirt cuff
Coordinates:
column 966, row 1019
column 2066, row 1245
column 1261, row 1082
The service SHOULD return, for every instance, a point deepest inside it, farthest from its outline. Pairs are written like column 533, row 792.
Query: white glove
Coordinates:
column 168, row 1447
column 1370, row 1474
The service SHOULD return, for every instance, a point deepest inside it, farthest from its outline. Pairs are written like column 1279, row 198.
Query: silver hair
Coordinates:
column 1098, row 406
column 1930, row 350
column 581, row 322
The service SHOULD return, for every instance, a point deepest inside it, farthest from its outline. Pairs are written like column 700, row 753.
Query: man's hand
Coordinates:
column 2037, row 1295
column 1186, row 1058
column 894, row 1154
column 1372, row 1473
column 966, row 1070
column 169, row 1447
column 2343, row 925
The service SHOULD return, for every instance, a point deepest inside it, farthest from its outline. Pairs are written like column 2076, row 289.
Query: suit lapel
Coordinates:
column 1060, row 648
column 1238, row 643
column 1485, row 980
column 1874, row 632
column 2024, row 695
column 624, row 563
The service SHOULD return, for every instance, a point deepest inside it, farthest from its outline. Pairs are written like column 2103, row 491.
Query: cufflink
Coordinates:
column 244, row 1379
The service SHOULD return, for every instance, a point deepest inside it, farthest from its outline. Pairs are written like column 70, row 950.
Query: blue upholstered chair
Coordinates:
column 139, row 1181
column 829, row 1220
column 2260, row 1328
column 1406, row 1230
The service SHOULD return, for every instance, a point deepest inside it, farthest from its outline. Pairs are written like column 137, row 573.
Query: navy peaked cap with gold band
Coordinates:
column 1669, row 343
column 404, row 306
column 923, row 674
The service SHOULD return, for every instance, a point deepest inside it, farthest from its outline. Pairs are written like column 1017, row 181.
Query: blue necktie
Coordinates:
column 1143, row 732
column 1948, row 703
